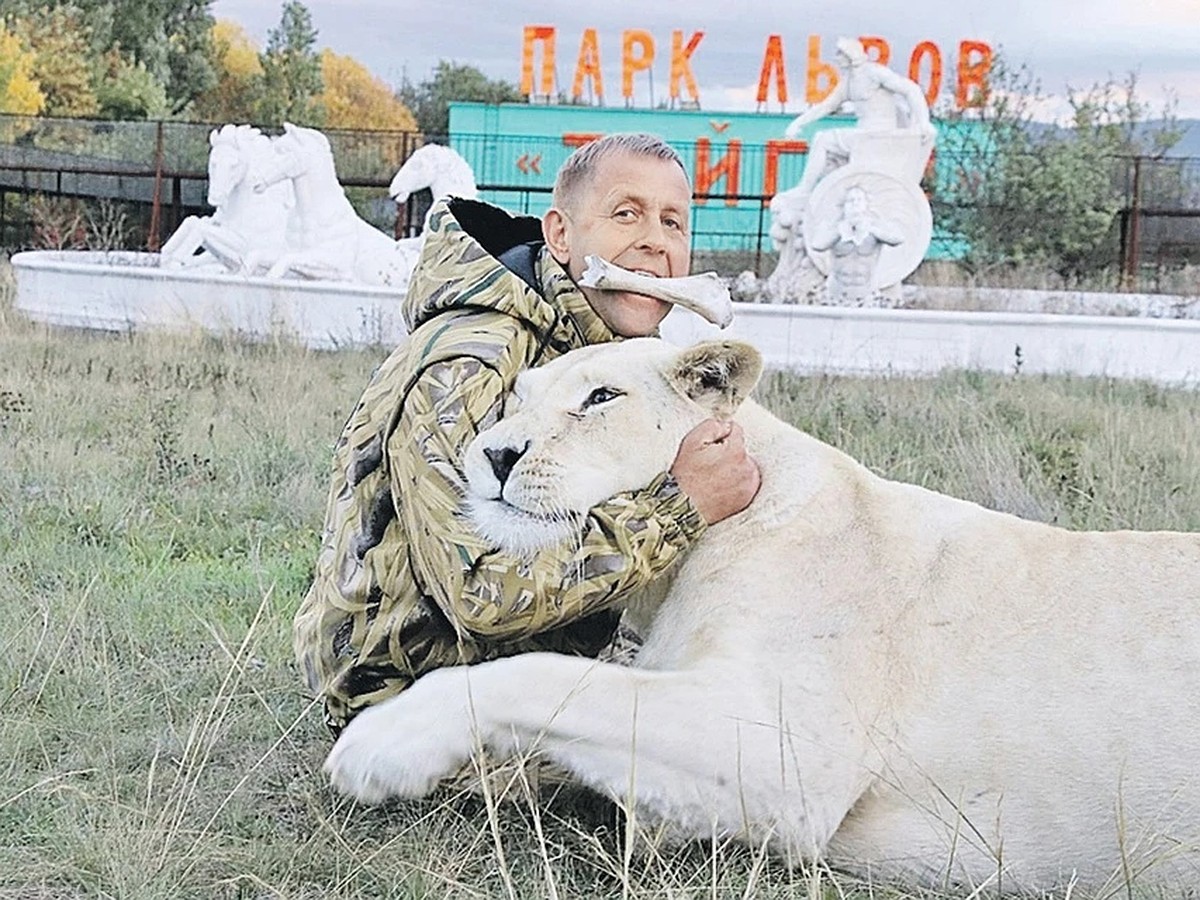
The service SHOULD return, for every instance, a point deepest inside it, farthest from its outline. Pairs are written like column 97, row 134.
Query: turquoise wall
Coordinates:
column 520, row 146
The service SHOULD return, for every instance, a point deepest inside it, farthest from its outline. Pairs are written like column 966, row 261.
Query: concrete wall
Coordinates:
column 127, row 291
column 816, row 339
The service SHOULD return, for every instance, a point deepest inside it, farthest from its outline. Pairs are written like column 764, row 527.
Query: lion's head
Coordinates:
column 595, row 423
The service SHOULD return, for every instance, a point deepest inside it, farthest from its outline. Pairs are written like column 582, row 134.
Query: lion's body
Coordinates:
column 905, row 684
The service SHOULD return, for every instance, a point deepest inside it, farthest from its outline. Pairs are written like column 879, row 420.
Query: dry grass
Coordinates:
column 159, row 502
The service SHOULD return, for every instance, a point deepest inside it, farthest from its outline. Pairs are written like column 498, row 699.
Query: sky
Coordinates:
column 1065, row 43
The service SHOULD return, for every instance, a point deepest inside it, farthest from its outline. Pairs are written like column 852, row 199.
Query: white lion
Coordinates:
column 900, row 683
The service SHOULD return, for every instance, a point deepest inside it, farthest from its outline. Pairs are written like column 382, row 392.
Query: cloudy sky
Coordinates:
column 1064, row 42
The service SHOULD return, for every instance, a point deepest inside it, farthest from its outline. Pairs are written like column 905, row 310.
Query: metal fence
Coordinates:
column 1160, row 221
column 63, row 181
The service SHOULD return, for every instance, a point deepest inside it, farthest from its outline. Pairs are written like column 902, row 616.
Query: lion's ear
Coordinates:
column 718, row 375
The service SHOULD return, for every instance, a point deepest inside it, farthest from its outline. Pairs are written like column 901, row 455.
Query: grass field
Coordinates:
column 159, row 505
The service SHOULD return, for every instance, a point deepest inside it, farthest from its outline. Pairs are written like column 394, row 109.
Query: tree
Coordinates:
column 187, row 25
column 127, row 90
column 430, row 100
column 62, row 60
column 291, row 70
column 19, row 92
column 237, row 94
column 354, row 98
column 168, row 38
column 1019, row 191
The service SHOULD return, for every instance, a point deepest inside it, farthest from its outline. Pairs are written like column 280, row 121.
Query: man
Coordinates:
column 402, row 584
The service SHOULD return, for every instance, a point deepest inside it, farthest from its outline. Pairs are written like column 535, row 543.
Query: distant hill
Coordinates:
column 1189, row 145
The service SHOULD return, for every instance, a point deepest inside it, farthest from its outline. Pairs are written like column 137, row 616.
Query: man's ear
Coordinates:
column 718, row 375
column 554, row 232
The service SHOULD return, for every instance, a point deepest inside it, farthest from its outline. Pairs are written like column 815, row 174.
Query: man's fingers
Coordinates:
column 735, row 439
column 721, row 432
column 728, row 435
column 714, row 470
column 710, row 431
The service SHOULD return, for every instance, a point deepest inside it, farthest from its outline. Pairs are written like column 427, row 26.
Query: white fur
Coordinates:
column 518, row 534
column 904, row 684
column 544, row 499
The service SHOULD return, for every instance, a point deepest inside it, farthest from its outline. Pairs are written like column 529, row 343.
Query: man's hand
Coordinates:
column 714, row 470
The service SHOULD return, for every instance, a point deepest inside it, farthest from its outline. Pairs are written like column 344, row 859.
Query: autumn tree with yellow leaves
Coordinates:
column 19, row 92
column 120, row 59
column 350, row 97
column 63, row 58
column 62, row 65
column 236, row 95
column 354, row 98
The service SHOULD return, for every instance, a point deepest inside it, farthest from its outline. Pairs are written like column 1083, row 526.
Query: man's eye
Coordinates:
column 600, row 395
column 625, row 215
column 673, row 223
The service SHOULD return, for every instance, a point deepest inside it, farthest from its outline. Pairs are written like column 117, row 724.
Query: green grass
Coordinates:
column 160, row 499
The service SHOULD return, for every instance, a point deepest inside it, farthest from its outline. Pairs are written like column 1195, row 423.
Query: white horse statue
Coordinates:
column 249, row 227
column 326, row 238
column 437, row 167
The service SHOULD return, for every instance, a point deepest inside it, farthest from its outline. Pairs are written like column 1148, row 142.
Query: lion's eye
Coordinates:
column 600, row 395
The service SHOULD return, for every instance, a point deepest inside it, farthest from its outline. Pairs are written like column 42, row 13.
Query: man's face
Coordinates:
column 633, row 213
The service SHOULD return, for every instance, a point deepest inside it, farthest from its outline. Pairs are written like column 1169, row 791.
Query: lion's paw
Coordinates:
column 404, row 746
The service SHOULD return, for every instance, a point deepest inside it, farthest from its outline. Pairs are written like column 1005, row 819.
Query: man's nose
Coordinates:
column 502, row 460
column 654, row 236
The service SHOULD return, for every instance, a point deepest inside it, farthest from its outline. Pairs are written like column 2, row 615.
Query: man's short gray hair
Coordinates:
column 580, row 166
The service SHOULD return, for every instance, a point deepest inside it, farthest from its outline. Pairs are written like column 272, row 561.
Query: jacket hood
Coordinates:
column 459, row 269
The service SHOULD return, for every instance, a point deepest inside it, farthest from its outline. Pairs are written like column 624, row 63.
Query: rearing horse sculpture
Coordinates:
column 249, row 227
column 326, row 238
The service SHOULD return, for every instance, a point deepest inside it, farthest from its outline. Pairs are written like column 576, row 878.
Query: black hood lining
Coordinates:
column 494, row 229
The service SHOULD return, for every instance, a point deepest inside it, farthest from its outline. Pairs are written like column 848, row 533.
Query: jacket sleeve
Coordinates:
column 625, row 543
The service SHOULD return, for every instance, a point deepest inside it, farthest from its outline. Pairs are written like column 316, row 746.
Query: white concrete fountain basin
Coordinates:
column 836, row 340
column 129, row 292
column 124, row 291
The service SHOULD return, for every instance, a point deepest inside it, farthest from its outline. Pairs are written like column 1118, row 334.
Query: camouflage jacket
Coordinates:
column 402, row 584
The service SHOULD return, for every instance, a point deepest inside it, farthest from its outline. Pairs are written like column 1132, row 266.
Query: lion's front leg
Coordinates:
column 404, row 746
column 531, row 702
column 698, row 748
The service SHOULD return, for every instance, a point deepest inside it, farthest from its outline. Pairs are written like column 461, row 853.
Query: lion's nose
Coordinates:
column 503, row 459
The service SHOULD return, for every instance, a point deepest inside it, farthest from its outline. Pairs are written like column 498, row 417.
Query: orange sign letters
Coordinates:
column 925, row 66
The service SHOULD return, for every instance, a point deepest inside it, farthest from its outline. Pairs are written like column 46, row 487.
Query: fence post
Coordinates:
column 176, row 202
column 1132, row 253
column 154, row 239
column 1123, row 246
column 758, row 240
column 399, row 228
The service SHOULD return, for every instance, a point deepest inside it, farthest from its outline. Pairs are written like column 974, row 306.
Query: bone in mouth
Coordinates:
column 704, row 294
